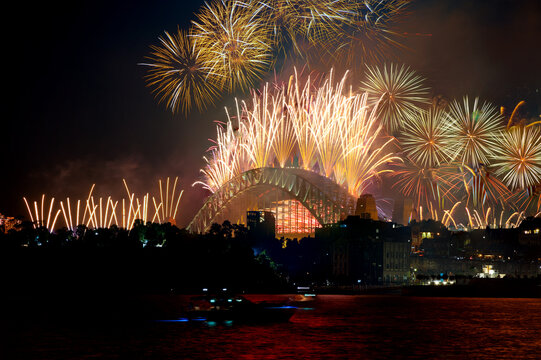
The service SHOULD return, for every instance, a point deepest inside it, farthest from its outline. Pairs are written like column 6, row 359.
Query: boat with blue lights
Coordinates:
column 238, row 309
column 304, row 294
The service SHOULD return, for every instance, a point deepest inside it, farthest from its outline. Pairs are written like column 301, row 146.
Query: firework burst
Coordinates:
column 517, row 157
column 424, row 138
column 367, row 34
column 333, row 133
column 471, row 141
column 178, row 75
column 234, row 42
column 430, row 188
column 285, row 23
column 399, row 91
column 320, row 21
column 482, row 187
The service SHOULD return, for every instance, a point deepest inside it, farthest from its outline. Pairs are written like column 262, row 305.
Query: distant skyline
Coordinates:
column 80, row 113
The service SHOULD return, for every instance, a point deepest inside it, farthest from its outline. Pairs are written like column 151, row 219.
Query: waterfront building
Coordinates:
column 429, row 237
column 530, row 232
column 396, row 264
column 368, row 252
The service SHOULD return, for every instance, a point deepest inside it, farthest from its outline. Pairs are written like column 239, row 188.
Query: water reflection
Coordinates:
column 370, row 327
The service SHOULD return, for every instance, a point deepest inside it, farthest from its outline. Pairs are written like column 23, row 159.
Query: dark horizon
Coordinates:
column 80, row 113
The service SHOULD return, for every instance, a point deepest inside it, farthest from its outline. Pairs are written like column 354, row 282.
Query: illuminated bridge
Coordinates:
column 300, row 200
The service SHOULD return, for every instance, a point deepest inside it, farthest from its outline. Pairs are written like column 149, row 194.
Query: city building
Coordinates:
column 396, row 261
column 429, row 237
column 368, row 252
column 530, row 232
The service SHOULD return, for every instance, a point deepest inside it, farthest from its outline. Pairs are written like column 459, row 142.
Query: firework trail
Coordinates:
column 170, row 208
column 298, row 107
column 333, row 133
column 431, row 188
column 42, row 220
column 260, row 125
column 227, row 157
column 329, row 115
column 101, row 212
column 482, row 187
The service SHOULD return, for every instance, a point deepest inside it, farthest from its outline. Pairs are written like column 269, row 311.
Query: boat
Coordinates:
column 304, row 295
column 237, row 308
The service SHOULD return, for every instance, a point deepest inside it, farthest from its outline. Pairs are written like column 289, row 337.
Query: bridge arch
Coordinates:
column 326, row 201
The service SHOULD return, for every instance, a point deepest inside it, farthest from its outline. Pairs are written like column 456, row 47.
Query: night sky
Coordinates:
column 78, row 110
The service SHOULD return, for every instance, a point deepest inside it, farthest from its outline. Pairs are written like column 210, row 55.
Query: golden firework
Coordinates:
column 331, row 132
column 283, row 23
column 399, row 91
column 178, row 75
column 429, row 187
column 517, row 157
column 482, row 187
column 234, row 42
column 42, row 221
column 367, row 34
column 321, row 20
column 227, row 157
column 471, row 132
column 424, row 138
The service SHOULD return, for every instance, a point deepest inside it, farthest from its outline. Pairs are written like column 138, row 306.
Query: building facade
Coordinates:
column 368, row 252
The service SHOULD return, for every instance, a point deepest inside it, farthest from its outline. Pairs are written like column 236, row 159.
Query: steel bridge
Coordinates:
column 326, row 201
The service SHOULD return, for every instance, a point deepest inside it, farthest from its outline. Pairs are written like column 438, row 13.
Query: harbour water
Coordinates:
column 334, row 326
